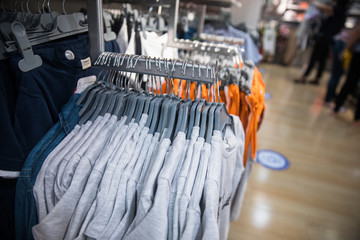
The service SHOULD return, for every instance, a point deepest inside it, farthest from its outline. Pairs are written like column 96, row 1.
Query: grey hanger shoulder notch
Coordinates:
column 30, row 61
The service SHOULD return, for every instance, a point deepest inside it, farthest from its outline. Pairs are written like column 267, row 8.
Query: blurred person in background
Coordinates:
column 353, row 74
column 337, row 68
column 330, row 26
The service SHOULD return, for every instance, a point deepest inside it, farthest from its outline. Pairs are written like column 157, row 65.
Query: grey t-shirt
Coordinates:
column 189, row 184
column 231, row 170
column 181, row 182
column 193, row 213
column 119, row 207
column 210, row 228
column 148, row 192
column 89, row 195
column 101, row 218
column 38, row 189
column 55, row 224
column 131, row 186
column 154, row 225
column 63, row 179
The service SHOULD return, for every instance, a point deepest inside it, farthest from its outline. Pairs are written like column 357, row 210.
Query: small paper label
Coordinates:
column 86, row 63
column 84, row 82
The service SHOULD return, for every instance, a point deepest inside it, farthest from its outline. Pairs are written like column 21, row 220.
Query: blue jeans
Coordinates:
column 25, row 205
column 42, row 91
column 336, row 71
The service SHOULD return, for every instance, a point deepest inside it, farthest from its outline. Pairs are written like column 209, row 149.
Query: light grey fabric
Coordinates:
column 89, row 195
column 174, row 186
column 55, row 224
column 193, row 213
column 63, row 179
column 231, row 170
column 210, row 228
column 50, row 175
column 148, row 192
column 131, row 186
column 155, row 224
column 38, row 189
column 237, row 202
column 190, row 180
column 102, row 216
column 119, row 207
column 140, row 184
column 181, row 182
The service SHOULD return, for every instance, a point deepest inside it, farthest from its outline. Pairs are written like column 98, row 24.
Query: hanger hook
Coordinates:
column 63, row 7
column 22, row 5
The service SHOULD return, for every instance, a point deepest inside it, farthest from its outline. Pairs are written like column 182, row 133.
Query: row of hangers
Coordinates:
column 227, row 55
column 112, row 94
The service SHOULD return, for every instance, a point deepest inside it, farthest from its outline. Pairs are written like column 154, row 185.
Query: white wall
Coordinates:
column 247, row 11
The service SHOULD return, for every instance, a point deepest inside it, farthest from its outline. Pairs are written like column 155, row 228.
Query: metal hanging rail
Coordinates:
column 156, row 66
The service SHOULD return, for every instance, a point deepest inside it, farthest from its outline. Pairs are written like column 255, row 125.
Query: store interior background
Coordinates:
column 318, row 196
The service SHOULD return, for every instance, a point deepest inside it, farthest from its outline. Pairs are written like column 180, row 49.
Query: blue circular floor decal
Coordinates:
column 268, row 96
column 272, row 160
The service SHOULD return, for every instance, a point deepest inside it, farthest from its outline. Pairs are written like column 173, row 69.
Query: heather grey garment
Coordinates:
column 104, row 186
column 193, row 214
column 209, row 224
column 50, row 174
column 174, row 190
column 130, row 201
column 237, row 202
column 101, row 218
column 63, row 179
column 148, row 192
column 232, row 167
column 154, row 224
column 57, row 169
column 139, row 186
column 181, row 182
column 89, row 194
column 55, row 224
column 119, row 206
column 188, row 187
column 38, row 189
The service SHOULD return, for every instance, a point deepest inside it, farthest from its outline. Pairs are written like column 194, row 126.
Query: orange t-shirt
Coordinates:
column 256, row 102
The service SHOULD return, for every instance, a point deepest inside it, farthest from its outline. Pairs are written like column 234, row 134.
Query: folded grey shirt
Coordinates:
column 89, row 195
column 193, row 213
column 184, row 171
column 154, row 224
column 38, row 189
column 55, row 224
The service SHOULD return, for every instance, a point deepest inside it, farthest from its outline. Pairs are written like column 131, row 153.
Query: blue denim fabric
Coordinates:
column 42, row 91
column 336, row 71
column 25, row 206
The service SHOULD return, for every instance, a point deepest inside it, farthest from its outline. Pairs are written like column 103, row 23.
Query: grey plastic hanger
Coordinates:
column 204, row 116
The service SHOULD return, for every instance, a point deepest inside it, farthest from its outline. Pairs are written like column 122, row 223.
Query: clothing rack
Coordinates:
column 156, row 66
column 179, row 69
column 222, row 39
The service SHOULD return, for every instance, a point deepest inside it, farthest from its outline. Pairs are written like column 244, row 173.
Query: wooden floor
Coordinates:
column 318, row 197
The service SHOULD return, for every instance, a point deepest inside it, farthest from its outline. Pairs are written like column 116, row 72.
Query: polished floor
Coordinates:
column 318, row 197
